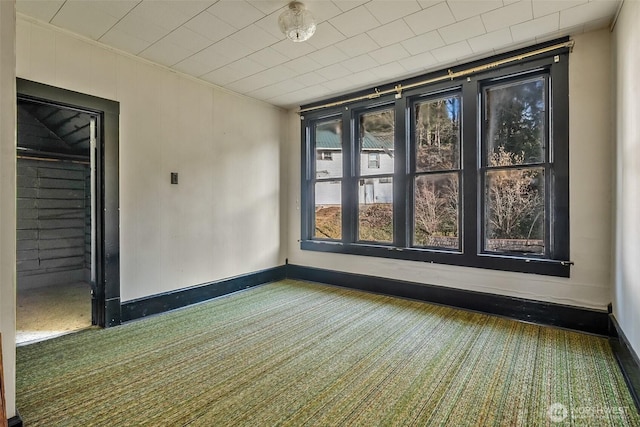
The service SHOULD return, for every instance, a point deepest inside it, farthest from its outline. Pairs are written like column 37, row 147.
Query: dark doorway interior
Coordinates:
column 55, row 210
column 105, row 249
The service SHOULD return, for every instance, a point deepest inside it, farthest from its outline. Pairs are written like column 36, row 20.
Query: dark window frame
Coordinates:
column 555, row 65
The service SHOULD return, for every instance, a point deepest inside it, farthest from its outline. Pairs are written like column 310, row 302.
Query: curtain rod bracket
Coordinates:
column 398, row 89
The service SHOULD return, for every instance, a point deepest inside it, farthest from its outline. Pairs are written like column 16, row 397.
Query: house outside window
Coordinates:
column 471, row 172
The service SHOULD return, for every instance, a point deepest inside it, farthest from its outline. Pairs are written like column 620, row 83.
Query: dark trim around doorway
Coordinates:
column 106, row 308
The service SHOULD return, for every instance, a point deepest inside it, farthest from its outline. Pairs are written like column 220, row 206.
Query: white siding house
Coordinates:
column 376, row 169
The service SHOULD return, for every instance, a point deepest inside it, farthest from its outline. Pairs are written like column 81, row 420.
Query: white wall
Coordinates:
column 223, row 218
column 8, row 199
column 590, row 201
column 626, row 64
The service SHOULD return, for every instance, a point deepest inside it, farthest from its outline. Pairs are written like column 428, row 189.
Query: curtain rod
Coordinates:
column 449, row 76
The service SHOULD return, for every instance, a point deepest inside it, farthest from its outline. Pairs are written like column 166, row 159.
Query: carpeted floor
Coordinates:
column 47, row 312
column 293, row 353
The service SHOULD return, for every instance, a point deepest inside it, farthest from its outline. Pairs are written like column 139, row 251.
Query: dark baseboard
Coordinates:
column 160, row 303
column 15, row 421
column 564, row 316
column 627, row 358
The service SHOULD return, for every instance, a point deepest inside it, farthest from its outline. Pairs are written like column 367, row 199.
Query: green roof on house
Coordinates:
column 327, row 140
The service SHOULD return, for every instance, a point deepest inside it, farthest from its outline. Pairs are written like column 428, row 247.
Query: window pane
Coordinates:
column 376, row 142
column 328, row 210
column 436, row 211
column 515, row 123
column 375, row 210
column 437, row 134
column 328, row 149
column 514, row 211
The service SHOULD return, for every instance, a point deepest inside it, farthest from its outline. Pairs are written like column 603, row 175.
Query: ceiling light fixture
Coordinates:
column 297, row 22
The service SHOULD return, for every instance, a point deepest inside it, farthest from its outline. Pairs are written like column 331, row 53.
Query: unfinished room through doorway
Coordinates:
column 55, row 244
column 67, row 212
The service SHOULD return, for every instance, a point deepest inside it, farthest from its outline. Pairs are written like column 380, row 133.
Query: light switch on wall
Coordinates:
column 174, row 177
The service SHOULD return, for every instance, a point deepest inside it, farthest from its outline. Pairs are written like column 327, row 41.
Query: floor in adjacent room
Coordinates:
column 47, row 312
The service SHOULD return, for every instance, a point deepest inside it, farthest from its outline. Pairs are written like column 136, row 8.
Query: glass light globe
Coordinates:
column 297, row 23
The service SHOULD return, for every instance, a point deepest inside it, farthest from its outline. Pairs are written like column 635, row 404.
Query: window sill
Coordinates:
column 487, row 261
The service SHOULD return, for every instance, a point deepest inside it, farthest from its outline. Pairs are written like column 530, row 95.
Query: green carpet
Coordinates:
column 293, row 353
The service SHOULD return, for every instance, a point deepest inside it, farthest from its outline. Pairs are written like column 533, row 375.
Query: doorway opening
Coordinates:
column 67, row 244
column 55, row 247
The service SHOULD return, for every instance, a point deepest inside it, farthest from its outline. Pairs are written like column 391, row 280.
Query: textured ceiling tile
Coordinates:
column 386, row 11
column 268, row 6
column 124, row 41
column 270, row 24
column 237, row 13
column 165, row 52
column 43, row 10
column 325, row 35
column 210, row 26
column 531, row 29
column 592, row 11
column 322, row 10
column 188, row 39
column 249, row 84
column 302, row 65
column 254, row 37
column 335, row 71
column 423, row 43
column 223, row 76
column 354, row 22
column 141, row 27
column 346, row 5
column 391, row 33
column 91, row 19
column 246, row 67
column 169, row 14
column 452, row 52
column 388, row 54
column 268, row 57
column 357, row 45
column 430, row 19
column 507, row 16
column 418, row 62
column 360, row 63
column 490, row 41
column 390, row 71
column 462, row 30
column 425, row 4
column 543, row 8
column 231, row 49
column 310, row 79
column 193, row 67
column 329, row 55
column 212, row 58
column 463, row 9
column 293, row 50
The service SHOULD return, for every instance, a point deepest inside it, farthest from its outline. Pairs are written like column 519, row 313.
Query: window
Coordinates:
column 324, row 155
column 514, row 165
column 327, row 195
column 435, row 173
column 466, row 171
column 374, row 161
column 375, row 202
